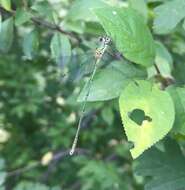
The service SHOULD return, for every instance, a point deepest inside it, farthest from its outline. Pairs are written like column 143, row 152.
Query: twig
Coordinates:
column 164, row 81
column 19, row 171
column 52, row 26
column 57, row 157
column 44, row 23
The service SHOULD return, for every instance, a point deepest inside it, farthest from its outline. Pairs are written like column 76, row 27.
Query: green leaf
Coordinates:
column 103, row 175
column 31, row 44
column 6, row 35
column 163, row 60
column 45, row 9
column 129, row 33
column 2, row 177
column 168, row 15
column 0, row 22
column 6, row 4
column 60, row 48
column 21, row 17
column 140, row 6
column 156, row 119
column 109, row 82
column 81, row 10
column 183, row 24
column 108, row 115
column 31, row 186
column 2, row 164
column 167, row 168
column 178, row 96
column 3, row 174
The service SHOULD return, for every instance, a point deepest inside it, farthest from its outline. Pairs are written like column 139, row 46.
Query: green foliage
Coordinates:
column 140, row 6
column 21, row 17
column 109, row 82
column 46, row 58
column 60, row 47
column 82, row 10
column 101, row 175
column 178, row 96
column 3, row 174
column 36, row 186
column 165, row 167
column 6, row 35
column 168, row 16
column 159, row 114
column 31, row 44
column 126, row 25
column 6, row 4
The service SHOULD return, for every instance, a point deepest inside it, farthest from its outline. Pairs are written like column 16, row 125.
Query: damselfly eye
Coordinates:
column 100, row 39
column 107, row 40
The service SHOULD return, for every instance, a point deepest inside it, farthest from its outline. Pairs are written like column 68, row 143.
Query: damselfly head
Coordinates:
column 105, row 39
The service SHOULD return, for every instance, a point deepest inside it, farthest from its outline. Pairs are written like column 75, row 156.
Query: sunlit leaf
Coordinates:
column 6, row 4
column 156, row 118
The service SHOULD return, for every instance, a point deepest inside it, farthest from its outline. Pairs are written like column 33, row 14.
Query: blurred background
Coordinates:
column 39, row 112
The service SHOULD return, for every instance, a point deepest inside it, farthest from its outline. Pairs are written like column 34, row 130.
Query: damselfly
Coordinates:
column 98, row 55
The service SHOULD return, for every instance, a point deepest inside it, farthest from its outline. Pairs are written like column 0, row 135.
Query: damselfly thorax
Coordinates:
column 103, row 46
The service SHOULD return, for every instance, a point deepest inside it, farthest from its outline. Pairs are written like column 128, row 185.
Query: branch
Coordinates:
column 164, row 81
column 56, row 157
column 44, row 23
column 52, row 26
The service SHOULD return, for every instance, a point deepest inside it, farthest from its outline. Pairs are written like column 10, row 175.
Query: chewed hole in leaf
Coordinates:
column 130, row 144
column 138, row 116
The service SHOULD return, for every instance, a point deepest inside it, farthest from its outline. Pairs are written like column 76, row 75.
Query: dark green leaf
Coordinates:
column 108, row 115
column 167, row 169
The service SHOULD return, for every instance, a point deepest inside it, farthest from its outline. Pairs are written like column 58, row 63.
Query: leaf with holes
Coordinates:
column 147, row 114
column 129, row 33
